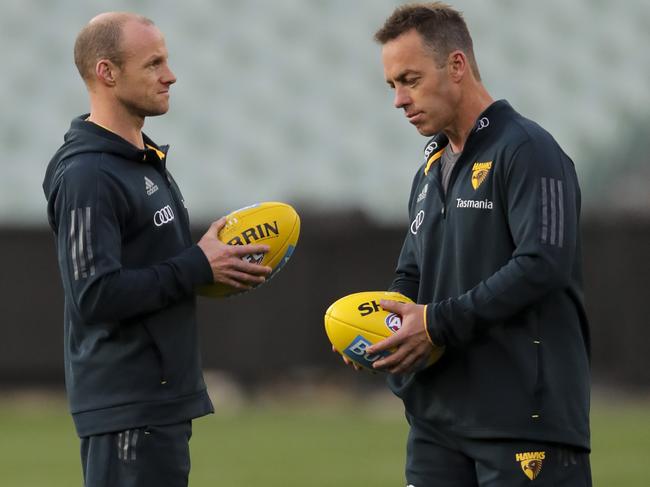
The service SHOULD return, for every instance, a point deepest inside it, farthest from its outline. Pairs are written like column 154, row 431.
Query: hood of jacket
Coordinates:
column 87, row 137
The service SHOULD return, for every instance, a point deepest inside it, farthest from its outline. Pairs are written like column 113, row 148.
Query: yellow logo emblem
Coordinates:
column 531, row 463
column 480, row 171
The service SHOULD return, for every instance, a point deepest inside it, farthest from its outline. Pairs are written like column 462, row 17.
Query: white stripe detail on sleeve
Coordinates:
column 126, row 445
column 89, row 243
column 134, row 442
column 119, row 446
column 73, row 244
column 553, row 214
column 81, row 243
column 552, row 218
column 82, row 258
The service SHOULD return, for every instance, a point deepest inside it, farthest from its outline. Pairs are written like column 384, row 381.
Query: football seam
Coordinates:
column 356, row 327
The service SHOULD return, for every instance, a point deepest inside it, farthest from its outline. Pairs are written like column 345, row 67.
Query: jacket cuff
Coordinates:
column 434, row 332
column 426, row 320
column 196, row 265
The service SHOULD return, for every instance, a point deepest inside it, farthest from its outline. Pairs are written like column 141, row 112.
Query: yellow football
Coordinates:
column 271, row 223
column 356, row 321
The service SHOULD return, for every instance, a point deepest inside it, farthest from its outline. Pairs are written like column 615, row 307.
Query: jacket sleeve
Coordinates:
column 407, row 273
column 542, row 202
column 407, row 278
column 90, row 212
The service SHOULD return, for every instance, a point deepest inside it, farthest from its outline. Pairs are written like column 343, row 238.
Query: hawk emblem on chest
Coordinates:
column 480, row 170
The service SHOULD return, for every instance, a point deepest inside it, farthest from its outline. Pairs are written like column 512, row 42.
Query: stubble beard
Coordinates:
column 143, row 110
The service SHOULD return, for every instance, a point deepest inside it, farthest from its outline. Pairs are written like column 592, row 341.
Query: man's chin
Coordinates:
column 426, row 131
column 157, row 111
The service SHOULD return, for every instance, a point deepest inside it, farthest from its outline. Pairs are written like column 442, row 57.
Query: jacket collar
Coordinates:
column 486, row 123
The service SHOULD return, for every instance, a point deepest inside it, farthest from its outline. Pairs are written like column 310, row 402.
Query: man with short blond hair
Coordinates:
column 129, row 267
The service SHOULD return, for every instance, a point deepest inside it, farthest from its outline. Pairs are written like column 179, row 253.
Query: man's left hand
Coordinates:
column 411, row 342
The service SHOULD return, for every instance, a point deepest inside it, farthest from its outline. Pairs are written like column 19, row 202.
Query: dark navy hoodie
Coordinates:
column 129, row 270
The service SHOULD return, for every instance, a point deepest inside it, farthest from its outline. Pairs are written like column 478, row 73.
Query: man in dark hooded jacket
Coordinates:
column 129, row 267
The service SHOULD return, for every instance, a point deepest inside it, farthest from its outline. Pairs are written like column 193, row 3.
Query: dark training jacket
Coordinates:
column 129, row 270
column 497, row 261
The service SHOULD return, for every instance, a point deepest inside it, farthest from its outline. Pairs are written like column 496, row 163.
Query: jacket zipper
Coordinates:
column 437, row 178
column 180, row 207
column 171, row 186
column 452, row 177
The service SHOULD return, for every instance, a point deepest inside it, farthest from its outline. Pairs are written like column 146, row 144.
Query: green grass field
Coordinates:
column 295, row 443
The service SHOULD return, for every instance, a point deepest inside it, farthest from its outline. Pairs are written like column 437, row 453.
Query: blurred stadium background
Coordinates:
column 285, row 100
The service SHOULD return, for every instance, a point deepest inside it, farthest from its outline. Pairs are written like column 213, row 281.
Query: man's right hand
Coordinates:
column 226, row 261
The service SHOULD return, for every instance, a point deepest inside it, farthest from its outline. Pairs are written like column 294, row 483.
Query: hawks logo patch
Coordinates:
column 480, row 171
column 531, row 463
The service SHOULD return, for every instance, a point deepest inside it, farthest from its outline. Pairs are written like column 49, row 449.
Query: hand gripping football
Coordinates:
column 274, row 224
column 356, row 321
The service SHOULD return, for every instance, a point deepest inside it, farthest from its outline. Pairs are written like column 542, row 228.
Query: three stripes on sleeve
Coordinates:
column 81, row 248
column 552, row 203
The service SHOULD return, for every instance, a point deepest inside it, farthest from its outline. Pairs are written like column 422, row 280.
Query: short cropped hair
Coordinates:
column 442, row 28
column 101, row 39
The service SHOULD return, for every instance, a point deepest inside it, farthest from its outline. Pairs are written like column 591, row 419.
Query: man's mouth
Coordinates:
column 414, row 117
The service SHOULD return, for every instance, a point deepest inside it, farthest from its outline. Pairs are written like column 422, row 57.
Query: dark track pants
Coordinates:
column 439, row 459
column 152, row 456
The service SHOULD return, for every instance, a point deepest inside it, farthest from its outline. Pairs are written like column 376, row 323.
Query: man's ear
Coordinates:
column 457, row 65
column 106, row 71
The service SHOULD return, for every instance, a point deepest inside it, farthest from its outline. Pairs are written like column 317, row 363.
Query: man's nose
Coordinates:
column 169, row 78
column 402, row 97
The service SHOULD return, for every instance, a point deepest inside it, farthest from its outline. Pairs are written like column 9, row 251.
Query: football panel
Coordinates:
column 352, row 342
column 282, row 250
column 363, row 311
column 271, row 224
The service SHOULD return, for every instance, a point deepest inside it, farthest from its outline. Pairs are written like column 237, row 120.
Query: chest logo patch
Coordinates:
column 162, row 216
column 417, row 222
column 531, row 463
column 150, row 186
column 484, row 122
column 429, row 150
column 480, row 171
column 423, row 193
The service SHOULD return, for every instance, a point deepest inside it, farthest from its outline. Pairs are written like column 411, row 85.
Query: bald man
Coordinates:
column 129, row 267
